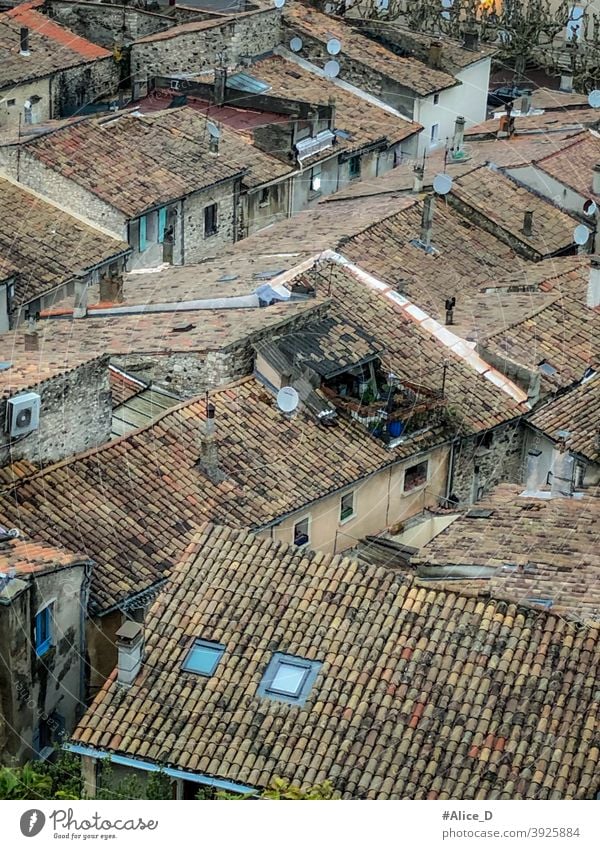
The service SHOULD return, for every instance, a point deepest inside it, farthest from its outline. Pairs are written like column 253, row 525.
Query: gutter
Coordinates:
column 147, row 766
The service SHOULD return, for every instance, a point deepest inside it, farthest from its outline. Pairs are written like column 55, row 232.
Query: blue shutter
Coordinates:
column 143, row 243
column 162, row 223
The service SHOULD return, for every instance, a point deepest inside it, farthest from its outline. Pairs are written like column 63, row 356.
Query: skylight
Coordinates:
column 203, row 658
column 546, row 368
column 244, row 82
column 289, row 678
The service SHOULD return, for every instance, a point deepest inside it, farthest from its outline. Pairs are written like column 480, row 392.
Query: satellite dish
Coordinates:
column 279, row 4
column 332, row 68
column 581, row 234
column 296, row 44
column 334, row 45
column 442, row 183
column 213, row 130
column 287, row 399
column 329, row 9
column 589, row 207
column 594, row 98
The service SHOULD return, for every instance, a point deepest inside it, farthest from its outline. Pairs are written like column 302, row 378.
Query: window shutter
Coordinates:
column 143, row 243
column 162, row 223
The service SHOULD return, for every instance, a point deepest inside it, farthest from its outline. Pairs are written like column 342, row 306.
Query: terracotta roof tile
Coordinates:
column 577, row 411
column 368, row 742
column 573, row 164
column 23, row 556
column 568, row 120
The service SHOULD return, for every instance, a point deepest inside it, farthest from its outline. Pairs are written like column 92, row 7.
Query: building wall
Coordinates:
column 548, row 187
column 197, row 246
column 255, row 216
column 249, row 34
column 101, row 649
column 9, row 114
column 77, row 87
column 534, row 440
column 33, row 688
column 379, row 502
column 75, row 414
column 107, row 23
column 478, row 469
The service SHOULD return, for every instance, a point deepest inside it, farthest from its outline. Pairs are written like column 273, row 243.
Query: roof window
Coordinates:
column 289, row 678
column 203, row 658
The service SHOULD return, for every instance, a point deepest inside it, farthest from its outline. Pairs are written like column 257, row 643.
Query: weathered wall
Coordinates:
column 554, row 190
column 534, row 440
column 77, row 87
column 107, row 23
column 33, row 688
column 41, row 111
column 197, row 246
column 101, row 649
column 188, row 51
column 256, row 215
column 75, row 414
column 478, row 469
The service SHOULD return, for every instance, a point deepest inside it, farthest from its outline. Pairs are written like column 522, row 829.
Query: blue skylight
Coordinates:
column 244, row 82
column 288, row 678
column 203, row 658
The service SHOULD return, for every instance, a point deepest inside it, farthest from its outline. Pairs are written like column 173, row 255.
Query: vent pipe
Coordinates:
column 220, row 86
column 528, row 223
column 526, row 102
column 130, row 646
column 24, row 41
column 332, row 107
column 562, row 472
column 593, row 290
column 209, row 455
column 459, row 134
column 427, row 219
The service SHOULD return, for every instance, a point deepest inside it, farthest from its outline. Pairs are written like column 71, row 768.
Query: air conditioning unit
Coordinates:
column 22, row 414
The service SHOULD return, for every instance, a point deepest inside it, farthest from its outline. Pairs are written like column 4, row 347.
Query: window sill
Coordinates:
column 414, row 489
column 347, row 519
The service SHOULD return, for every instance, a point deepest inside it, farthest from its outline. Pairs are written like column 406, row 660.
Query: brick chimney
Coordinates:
column 566, row 82
column 435, row 54
column 593, row 290
column 111, row 289
column 209, row 455
column 528, row 223
column 81, row 297
column 418, row 176
column 24, row 41
column 471, row 38
column 220, row 86
column 562, row 471
column 130, row 645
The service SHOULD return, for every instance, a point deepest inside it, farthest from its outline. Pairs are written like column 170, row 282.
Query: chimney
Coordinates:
column 81, row 297
column 459, row 134
column 526, row 102
column 566, row 82
column 111, row 289
column 534, row 480
column 332, row 106
column 471, row 38
column 435, row 54
column 31, row 341
column 24, row 41
column 593, row 290
column 450, row 304
column 528, row 223
column 427, row 219
column 209, row 455
column 220, row 86
column 562, row 471
column 130, row 645
column 418, row 176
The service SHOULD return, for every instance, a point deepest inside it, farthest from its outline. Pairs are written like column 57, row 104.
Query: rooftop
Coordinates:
column 45, row 245
column 549, row 98
column 577, row 411
column 551, row 121
column 19, row 469
column 27, row 369
column 132, row 163
column 573, row 165
column 410, row 73
column 21, row 557
column 503, row 202
column 52, row 47
column 523, row 548
column 419, row 693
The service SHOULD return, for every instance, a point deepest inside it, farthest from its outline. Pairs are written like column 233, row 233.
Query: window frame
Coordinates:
column 354, row 172
column 301, row 544
column 218, row 648
column 315, row 171
column 264, row 197
column 436, row 98
column 434, row 137
column 417, row 486
column 351, row 515
column 215, row 220
column 44, row 645
column 281, row 659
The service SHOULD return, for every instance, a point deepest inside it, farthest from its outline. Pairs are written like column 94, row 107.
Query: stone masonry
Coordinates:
column 482, row 462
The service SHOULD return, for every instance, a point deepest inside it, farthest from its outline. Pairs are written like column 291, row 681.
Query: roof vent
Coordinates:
column 479, row 514
column 182, row 328
column 24, row 41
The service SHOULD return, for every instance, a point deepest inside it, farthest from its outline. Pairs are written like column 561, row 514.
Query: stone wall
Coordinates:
column 77, row 87
column 482, row 462
column 75, row 414
column 190, row 51
column 198, row 246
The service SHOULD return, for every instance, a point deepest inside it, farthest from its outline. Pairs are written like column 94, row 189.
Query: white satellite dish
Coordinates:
column 334, row 45
column 329, row 9
column 279, row 4
column 213, row 130
column 581, row 234
column 594, row 98
column 590, row 207
column 332, row 68
column 287, row 399
column 296, row 44
column 442, row 183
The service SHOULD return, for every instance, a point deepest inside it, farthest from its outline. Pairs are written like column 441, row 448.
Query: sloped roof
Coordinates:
column 52, row 47
column 422, row 694
column 527, row 548
column 573, row 164
column 28, row 369
column 556, row 120
column 26, row 556
column 577, row 411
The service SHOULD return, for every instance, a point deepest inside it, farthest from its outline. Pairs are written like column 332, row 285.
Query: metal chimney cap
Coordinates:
column 129, row 631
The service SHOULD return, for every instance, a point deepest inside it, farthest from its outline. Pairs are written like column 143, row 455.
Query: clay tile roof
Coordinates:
column 52, row 47
column 140, row 496
column 132, row 163
column 26, row 556
column 376, row 721
column 408, row 72
column 366, row 122
column 27, row 369
column 573, row 164
column 527, row 548
column 46, row 246
column 556, row 120
column 504, row 202
column 19, row 469
column 548, row 98
column 577, row 411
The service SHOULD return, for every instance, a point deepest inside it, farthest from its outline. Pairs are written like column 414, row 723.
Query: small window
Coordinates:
column 436, row 99
column 11, row 102
column 346, row 506
column 265, row 197
column 579, row 475
column 416, row 476
column 434, row 133
column 288, row 678
column 315, row 180
column 203, row 658
column 210, row 220
column 43, row 630
column 302, row 532
column 354, row 167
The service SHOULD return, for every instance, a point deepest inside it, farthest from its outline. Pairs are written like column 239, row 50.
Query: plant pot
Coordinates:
column 395, row 429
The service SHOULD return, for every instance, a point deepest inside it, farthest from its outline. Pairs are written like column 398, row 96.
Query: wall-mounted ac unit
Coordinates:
column 22, row 414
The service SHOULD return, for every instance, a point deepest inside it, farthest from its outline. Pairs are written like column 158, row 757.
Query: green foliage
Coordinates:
column 279, row 788
column 24, row 783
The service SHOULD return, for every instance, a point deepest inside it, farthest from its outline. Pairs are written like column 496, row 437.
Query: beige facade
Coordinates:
column 30, row 103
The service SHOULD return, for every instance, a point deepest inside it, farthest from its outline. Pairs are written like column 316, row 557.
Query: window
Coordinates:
column 575, row 23
column 210, row 220
column 346, row 506
column 288, row 678
column 416, row 476
column 434, row 134
column 43, row 630
column 152, row 226
column 315, row 180
column 51, row 730
column 354, row 167
column 301, row 532
column 265, row 197
column 203, row 658
column 162, row 223
column 143, row 243
column 436, row 99
column 11, row 102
